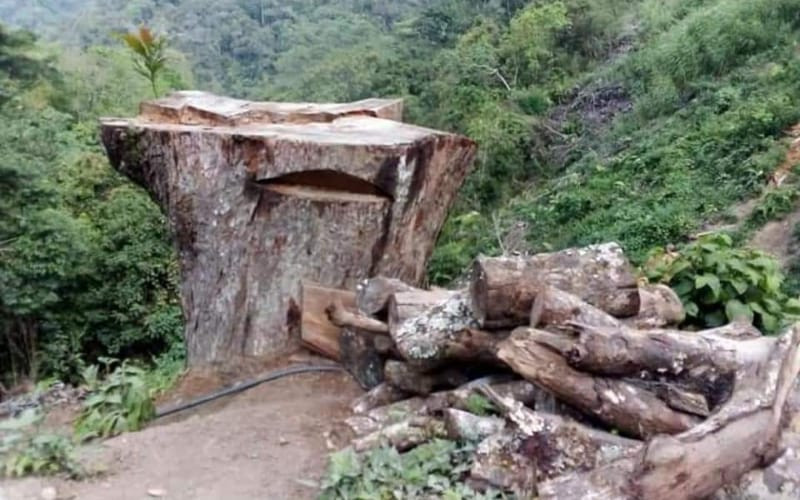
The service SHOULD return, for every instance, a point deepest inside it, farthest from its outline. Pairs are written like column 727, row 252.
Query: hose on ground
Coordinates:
column 247, row 384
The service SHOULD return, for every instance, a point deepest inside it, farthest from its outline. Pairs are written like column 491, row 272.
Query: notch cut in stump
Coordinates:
column 261, row 196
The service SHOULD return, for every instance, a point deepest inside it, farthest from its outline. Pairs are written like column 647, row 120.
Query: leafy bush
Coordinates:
column 719, row 283
column 120, row 403
column 26, row 449
column 432, row 470
column 774, row 205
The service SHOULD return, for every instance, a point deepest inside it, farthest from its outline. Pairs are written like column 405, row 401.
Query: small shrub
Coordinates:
column 432, row 470
column 25, row 449
column 719, row 283
column 775, row 204
column 120, row 403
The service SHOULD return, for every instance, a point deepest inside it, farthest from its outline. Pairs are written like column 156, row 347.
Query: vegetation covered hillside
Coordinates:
column 636, row 121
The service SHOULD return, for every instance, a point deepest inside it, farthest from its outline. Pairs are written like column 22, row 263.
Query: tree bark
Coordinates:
column 745, row 434
column 557, row 445
column 372, row 295
column 259, row 198
column 625, row 351
column 359, row 357
column 557, row 308
column 404, row 306
column 659, row 306
column 406, row 378
column 343, row 318
column 381, row 395
column 423, row 338
column 464, row 426
column 402, row 435
column 503, row 289
column 621, row 405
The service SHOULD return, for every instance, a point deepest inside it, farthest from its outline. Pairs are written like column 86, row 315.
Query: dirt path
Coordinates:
column 255, row 445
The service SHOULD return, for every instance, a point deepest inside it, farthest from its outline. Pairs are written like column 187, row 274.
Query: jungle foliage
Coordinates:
column 635, row 121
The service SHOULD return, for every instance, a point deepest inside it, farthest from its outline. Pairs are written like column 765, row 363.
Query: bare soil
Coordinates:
column 265, row 443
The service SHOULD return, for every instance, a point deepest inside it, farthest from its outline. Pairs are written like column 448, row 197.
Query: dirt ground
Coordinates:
column 264, row 443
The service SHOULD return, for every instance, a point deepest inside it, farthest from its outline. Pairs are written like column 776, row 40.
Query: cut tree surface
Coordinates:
column 261, row 196
column 317, row 331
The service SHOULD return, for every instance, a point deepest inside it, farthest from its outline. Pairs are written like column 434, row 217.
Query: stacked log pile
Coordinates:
column 596, row 392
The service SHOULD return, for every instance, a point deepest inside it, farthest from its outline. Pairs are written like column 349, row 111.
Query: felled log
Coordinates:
column 423, row 337
column 503, row 288
column 465, row 426
column 630, row 409
column 625, row 351
column 497, row 462
column 381, row 395
column 344, row 318
column 406, row 378
column 557, row 308
column 557, row 445
column 409, row 304
column 316, row 329
column 403, row 435
column 743, row 435
column 373, row 294
column 359, row 357
column 659, row 306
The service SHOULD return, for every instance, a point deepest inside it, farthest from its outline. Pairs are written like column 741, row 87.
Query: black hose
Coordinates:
column 247, row 384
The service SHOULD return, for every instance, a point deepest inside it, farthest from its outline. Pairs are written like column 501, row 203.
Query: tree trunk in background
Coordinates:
column 260, row 196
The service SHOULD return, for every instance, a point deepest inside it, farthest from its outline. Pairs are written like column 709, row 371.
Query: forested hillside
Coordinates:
column 634, row 121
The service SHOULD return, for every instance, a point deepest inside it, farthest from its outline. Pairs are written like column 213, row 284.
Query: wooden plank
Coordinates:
column 316, row 330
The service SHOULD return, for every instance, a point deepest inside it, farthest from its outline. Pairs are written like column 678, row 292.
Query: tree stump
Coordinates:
column 260, row 196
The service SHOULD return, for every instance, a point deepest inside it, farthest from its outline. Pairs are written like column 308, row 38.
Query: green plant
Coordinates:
column 120, row 403
column 774, row 205
column 719, row 283
column 479, row 405
column 432, row 470
column 149, row 52
column 26, row 449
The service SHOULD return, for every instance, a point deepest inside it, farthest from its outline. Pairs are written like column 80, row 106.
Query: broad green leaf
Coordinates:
column 735, row 309
column 710, row 281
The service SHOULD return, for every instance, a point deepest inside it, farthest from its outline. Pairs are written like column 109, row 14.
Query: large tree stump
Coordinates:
column 503, row 288
column 260, row 196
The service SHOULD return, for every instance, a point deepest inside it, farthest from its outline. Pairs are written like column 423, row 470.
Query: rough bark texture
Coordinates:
column 624, row 406
column 380, row 395
column 359, row 357
column 557, row 445
column 262, row 195
column 465, row 426
column 423, row 337
column 403, row 376
column 743, row 435
column 402, row 435
column 372, row 295
column 659, row 306
column 340, row 316
column 407, row 305
column 557, row 308
column 503, row 288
